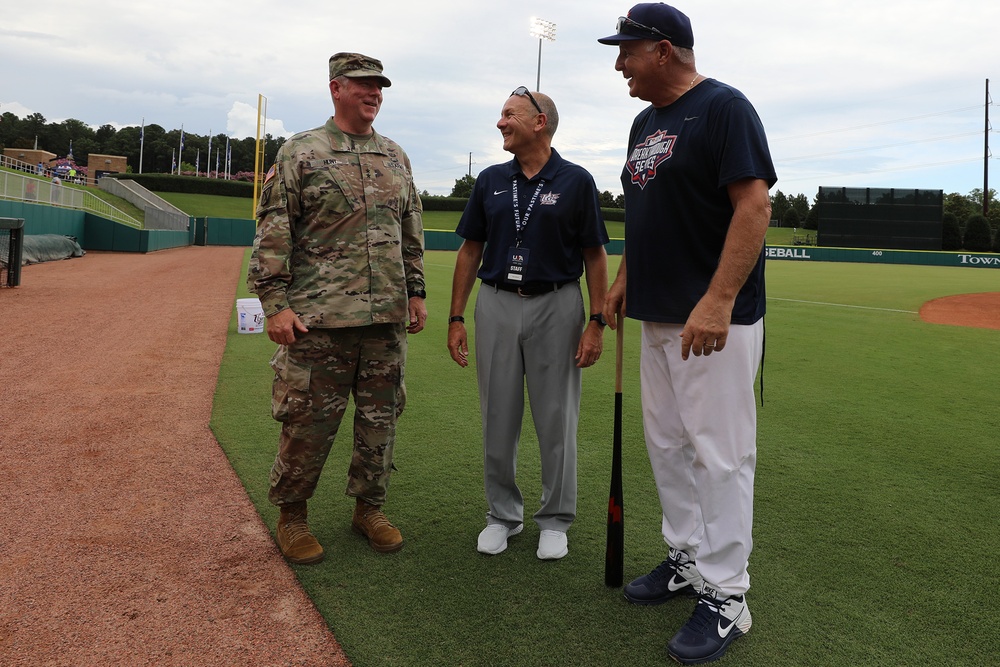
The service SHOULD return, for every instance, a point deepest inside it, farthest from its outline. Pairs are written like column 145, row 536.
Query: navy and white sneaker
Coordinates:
column 715, row 623
column 675, row 576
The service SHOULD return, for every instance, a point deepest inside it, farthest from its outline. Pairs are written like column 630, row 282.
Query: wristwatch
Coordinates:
column 416, row 292
column 599, row 318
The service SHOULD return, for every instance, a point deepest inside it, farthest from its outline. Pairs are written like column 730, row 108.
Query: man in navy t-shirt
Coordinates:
column 531, row 227
column 696, row 182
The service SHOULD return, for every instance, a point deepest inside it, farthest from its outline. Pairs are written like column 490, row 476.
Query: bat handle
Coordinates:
column 619, row 346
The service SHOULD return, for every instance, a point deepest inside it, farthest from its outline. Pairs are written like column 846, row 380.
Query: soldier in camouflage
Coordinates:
column 338, row 266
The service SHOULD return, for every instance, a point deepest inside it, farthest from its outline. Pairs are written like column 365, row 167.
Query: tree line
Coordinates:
column 796, row 210
column 159, row 146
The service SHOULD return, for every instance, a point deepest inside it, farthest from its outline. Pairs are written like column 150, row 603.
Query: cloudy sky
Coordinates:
column 873, row 93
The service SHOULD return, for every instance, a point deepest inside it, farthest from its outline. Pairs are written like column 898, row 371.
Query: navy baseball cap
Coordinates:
column 653, row 20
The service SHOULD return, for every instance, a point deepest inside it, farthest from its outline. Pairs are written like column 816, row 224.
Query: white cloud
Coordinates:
column 837, row 79
column 241, row 121
column 15, row 108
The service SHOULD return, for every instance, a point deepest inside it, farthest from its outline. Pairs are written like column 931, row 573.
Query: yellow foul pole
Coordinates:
column 258, row 162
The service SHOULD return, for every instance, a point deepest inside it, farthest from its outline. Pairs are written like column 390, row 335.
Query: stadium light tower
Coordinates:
column 542, row 29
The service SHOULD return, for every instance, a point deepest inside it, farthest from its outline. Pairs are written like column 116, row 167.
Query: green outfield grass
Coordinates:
column 447, row 221
column 876, row 538
column 213, row 206
column 441, row 221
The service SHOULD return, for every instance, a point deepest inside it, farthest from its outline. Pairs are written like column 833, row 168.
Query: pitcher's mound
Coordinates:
column 964, row 310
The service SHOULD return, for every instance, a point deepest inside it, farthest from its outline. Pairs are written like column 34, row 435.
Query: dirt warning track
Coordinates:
column 127, row 538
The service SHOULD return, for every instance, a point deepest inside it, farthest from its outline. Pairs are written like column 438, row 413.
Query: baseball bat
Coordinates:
column 614, row 555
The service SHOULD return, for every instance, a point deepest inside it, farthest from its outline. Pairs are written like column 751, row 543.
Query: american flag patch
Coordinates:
column 270, row 173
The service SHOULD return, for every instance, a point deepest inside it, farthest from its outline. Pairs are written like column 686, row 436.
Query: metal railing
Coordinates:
column 159, row 213
column 28, row 187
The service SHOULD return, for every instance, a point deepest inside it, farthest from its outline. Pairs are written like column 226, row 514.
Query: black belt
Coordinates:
column 529, row 289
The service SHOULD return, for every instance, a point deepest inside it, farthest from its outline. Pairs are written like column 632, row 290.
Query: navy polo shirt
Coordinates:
column 564, row 219
column 681, row 159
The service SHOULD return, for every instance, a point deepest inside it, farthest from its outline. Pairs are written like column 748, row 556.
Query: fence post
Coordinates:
column 11, row 251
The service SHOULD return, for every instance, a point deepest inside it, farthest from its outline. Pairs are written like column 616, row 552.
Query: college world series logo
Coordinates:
column 648, row 155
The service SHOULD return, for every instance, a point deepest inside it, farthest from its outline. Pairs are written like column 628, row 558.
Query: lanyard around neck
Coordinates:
column 519, row 223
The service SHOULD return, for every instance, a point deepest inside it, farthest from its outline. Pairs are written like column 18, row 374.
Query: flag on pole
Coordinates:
column 180, row 152
column 142, row 141
column 208, row 169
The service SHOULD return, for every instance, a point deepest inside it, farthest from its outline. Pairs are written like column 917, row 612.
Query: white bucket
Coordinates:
column 249, row 316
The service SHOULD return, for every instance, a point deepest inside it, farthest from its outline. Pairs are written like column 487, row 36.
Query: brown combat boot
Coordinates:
column 371, row 522
column 297, row 544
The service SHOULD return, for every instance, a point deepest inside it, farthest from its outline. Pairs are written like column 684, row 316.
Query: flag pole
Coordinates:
column 180, row 151
column 142, row 141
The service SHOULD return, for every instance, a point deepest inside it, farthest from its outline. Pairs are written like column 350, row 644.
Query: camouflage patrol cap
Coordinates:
column 355, row 65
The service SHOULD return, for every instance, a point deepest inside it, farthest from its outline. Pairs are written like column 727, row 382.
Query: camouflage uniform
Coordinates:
column 340, row 242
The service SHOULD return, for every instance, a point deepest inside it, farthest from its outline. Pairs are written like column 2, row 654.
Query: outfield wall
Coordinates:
column 224, row 231
column 94, row 232
column 103, row 234
column 451, row 241
column 39, row 219
column 868, row 256
column 91, row 231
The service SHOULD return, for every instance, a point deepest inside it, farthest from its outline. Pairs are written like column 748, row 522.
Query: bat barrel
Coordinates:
column 614, row 560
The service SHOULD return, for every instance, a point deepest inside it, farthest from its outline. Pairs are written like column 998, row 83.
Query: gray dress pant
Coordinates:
column 533, row 341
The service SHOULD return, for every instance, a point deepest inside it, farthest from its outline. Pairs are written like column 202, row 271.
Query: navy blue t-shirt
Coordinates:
column 677, row 208
column 565, row 218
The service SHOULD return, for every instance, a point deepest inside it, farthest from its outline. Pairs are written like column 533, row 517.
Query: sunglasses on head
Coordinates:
column 626, row 22
column 522, row 91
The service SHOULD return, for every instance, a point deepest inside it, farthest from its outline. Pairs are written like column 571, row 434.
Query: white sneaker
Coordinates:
column 493, row 539
column 552, row 545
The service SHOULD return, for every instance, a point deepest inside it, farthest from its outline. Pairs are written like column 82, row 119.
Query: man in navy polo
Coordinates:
column 531, row 227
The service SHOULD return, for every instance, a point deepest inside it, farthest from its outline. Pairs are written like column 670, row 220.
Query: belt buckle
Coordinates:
column 522, row 294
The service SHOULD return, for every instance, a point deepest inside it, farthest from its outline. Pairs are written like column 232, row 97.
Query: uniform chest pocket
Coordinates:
column 332, row 188
column 390, row 181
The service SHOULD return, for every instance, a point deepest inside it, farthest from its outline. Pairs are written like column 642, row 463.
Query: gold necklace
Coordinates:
column 691, row 85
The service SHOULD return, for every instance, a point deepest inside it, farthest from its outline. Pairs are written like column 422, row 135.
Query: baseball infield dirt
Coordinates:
column 967, row 310
column 127, row 538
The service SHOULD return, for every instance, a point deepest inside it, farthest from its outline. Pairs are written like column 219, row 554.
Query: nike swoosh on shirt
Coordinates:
column 686, row 118
column 499, row 192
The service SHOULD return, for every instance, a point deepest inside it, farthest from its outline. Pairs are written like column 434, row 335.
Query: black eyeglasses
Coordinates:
column 626, row 22
column 521, row 91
